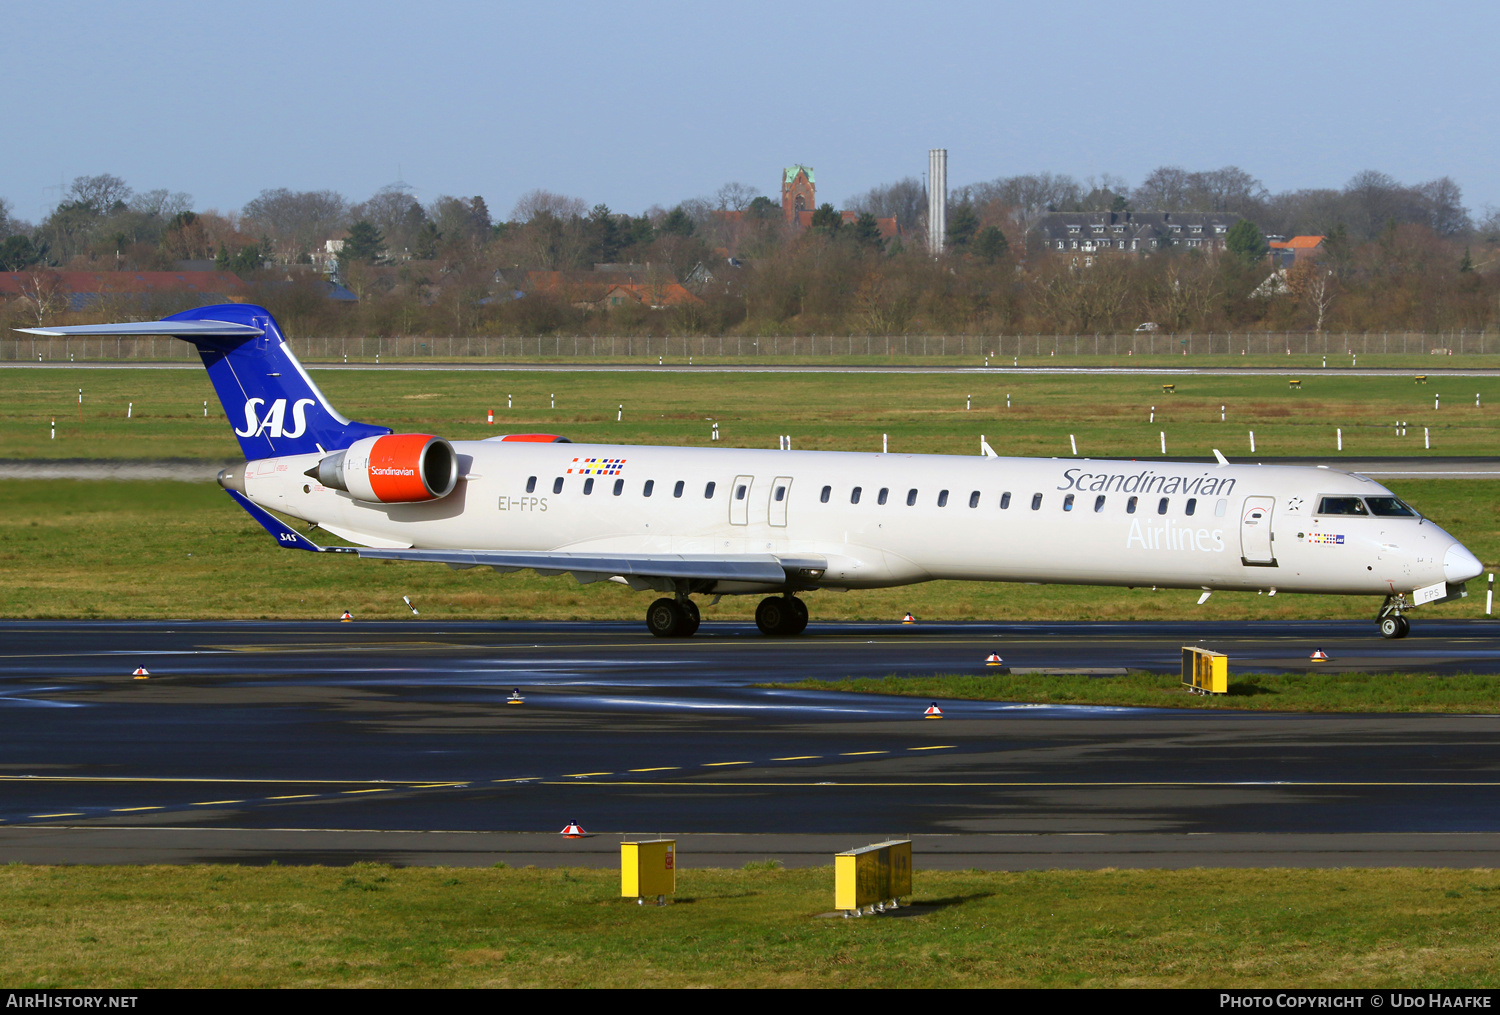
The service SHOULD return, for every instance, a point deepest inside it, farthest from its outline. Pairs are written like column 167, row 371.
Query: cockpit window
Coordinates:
column 1341, row 506
column 1389, row 507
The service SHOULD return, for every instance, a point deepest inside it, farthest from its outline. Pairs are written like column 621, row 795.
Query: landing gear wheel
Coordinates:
column 1393, row 625
column 690, row 616
column 666, row 619
column 1405, row 627
column 781, row 615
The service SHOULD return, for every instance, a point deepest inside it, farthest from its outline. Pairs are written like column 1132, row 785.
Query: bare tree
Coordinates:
column 1315, row 285
column 735, row 196
column 44, row 295
column 161, row 203
column 1166, row 189
column 296, row 221
column 906, row 200
column 538, row 202
column 100, row 193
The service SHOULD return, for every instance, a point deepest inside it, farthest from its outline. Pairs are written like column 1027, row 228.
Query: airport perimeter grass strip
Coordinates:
column 172, row 550
column 1332, row 691
column 374, row 926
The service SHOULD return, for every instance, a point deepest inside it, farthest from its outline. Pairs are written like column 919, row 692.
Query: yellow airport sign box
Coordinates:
column 878, row 875
column 1204, row 672
column 648, row 867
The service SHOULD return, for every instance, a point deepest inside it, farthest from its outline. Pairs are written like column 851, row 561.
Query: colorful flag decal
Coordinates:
column 597, row 466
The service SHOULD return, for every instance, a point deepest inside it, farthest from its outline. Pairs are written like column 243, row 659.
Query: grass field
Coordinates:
column 1325, row 691
column 97, row 549
column 374, row 926
column 1110, row 415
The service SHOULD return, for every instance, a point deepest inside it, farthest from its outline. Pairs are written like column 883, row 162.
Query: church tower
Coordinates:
column 798, row 194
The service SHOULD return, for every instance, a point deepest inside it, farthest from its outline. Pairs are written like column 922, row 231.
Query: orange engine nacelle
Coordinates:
column 402, row 468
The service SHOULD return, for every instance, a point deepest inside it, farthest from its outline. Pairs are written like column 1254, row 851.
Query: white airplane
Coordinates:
column 695, row 521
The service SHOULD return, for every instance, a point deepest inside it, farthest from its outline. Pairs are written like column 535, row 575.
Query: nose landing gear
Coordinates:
column 1392, row 623
column 781, row 616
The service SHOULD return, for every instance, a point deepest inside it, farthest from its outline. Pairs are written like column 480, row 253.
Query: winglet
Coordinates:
column 286, row 537
column 1220, row 456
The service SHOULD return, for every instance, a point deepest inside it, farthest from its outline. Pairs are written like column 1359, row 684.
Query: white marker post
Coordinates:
column 205, row 410
column 1437, row 401
column 129, row 409
column 1163, row 442
column 54, row 428
column 508, row 401
column 1252, row 442
column 1427, row 438
column 968, row 402
column 1221, row 414
column 1340, row 432
column 553, row 403
column 620, row 414
column 1153, row 415
column 1074, row 442
column 1489, row 596
column 1007, row 399
column 885, row 443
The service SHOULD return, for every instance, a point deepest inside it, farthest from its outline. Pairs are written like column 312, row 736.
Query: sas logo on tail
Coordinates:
column 274, row 422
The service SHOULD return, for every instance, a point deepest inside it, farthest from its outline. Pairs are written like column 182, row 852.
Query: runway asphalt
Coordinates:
column 325, row 742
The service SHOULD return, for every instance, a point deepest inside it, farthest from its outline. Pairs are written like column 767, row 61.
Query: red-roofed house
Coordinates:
column 1288, row 252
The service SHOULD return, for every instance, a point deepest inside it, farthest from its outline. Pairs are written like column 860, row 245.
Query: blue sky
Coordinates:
column 653, row 102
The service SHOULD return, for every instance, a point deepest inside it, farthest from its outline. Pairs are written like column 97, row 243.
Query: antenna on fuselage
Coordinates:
column 1220, row 456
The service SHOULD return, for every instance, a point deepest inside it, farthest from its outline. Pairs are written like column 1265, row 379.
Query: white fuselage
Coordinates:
column 1071, row 521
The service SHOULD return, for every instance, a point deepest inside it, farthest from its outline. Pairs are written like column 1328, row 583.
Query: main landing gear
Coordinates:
column 781, row 615
column 1392, row 623
column 673, row 618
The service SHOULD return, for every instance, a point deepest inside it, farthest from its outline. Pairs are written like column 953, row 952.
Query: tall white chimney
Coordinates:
column 937, row 199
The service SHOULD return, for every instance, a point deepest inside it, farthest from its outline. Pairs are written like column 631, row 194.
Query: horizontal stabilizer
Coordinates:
column 178, row 329
column 284, row 534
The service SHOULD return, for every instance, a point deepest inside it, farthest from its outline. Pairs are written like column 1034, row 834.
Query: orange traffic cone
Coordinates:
column 933, row 712
column 492, row 417
column 993, row 659
column 908, row 619
column 1318, row 656
column 573, row 831
column 347, row 616
column 140, row 673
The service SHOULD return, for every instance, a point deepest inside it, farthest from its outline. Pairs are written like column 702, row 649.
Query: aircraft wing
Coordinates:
column 760, row 568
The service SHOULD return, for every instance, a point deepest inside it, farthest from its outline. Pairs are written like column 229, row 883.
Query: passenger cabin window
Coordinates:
column 708, row 491
column 646, row 490
column 1130, row 505
column 1068, row 502
column 942, row 498
column 1099, row 503
column 827, row 492
column 677, row 490
column 531, row 485
column 557, row 485
column 588, row 486
column 1389, row 507
column 1036, row 502
column 974, row 499
column 619, row 487
column 854, row 494
column 739, row 492
column 1005, row 501
column 781, row 493
column 885, row 493
column 1192, row 505
column 1161, row 506
column 911, row 497
column 1341, row 506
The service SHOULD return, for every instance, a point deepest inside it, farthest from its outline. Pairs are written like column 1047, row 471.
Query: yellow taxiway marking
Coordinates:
column 212, row 803
column 934, row 747
column 585, row 775
column 65, row 814
column 800, row 757
column 851, row 754
column 123, row 810
column 665, row 768
column 519, row 778
column 721, row 764
column 293, row 796
column 348, row 791
column 447, row 785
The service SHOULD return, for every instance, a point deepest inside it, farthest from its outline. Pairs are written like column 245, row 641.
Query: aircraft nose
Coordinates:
column 1459, row 565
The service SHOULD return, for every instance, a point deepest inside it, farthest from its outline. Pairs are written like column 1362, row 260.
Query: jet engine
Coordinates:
column 402, row 468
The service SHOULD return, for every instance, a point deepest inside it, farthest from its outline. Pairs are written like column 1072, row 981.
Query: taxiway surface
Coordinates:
column 396, row 741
